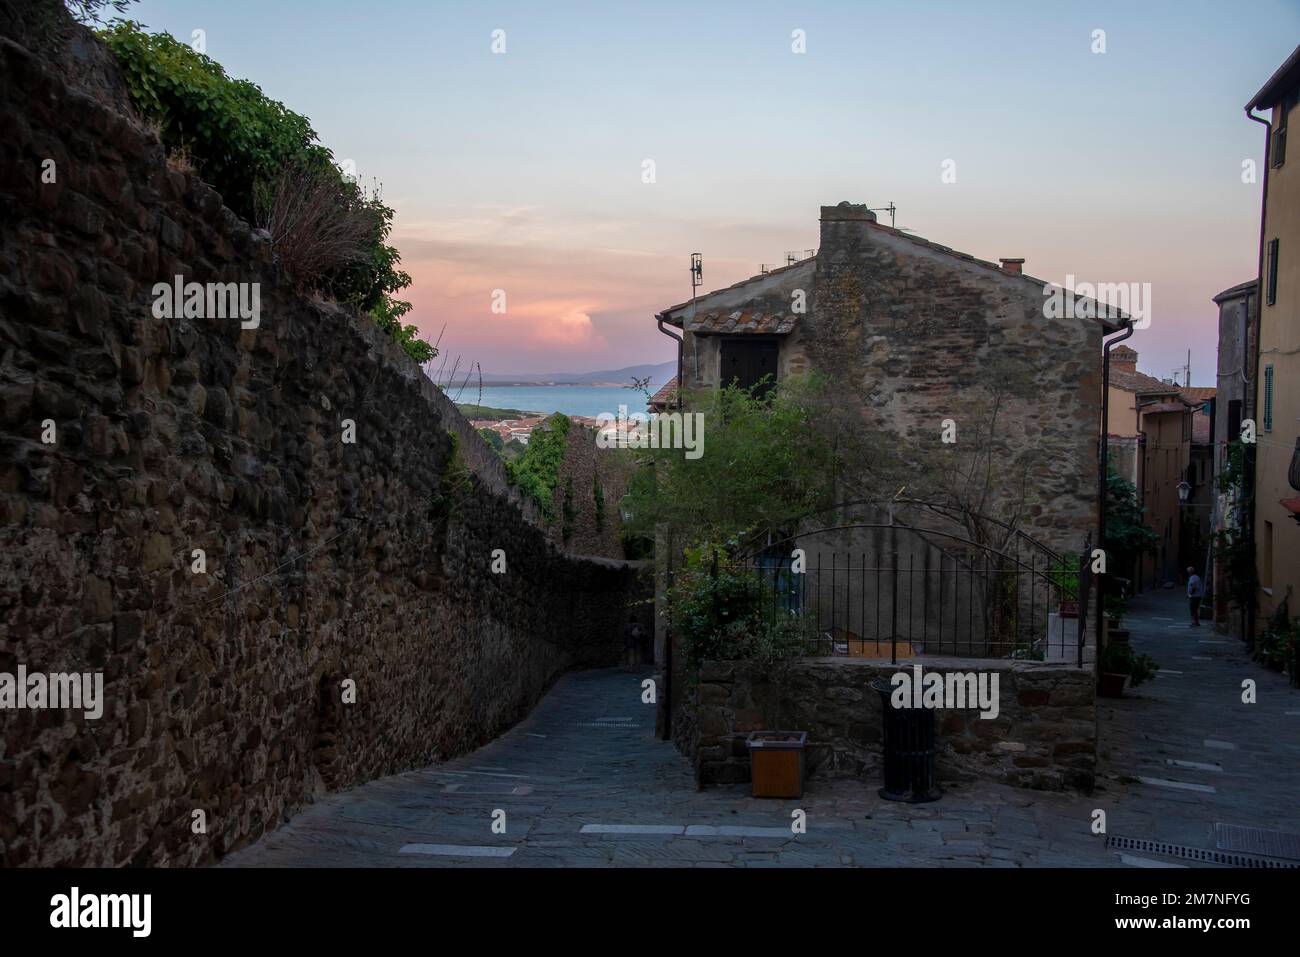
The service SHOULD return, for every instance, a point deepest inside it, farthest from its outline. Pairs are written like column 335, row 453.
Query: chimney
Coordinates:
column 848, row 214
column 1012, row 267
column 1124, row 359
column 844, row 227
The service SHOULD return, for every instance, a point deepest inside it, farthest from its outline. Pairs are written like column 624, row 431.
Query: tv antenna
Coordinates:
column 891, row 209
column 697, row 278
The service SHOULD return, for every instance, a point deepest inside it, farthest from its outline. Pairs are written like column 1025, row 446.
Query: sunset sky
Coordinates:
column 522, row 171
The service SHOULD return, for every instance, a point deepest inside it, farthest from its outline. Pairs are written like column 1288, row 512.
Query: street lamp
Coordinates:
column 1184, row 490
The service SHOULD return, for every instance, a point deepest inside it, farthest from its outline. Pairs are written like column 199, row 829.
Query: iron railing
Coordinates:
column 912, row 598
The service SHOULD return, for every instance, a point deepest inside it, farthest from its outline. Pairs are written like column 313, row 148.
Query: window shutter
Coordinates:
column 1271, row 290
column 1268, row 398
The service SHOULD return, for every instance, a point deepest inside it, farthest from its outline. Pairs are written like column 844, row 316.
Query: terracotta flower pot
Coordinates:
column 1110, row 685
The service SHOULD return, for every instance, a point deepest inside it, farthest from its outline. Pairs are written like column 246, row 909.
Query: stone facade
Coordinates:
column 1044, row 737
column 1234, row 403
column 326, row 562
column 909, row 328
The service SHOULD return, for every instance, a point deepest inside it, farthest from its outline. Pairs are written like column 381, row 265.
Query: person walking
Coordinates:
column 1195, row 591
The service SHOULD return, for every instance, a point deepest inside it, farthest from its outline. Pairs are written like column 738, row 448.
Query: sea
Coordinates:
column 570, row 399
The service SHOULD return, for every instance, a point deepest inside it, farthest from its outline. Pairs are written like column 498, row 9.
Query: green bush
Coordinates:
column 242, row 143
column 728, row 613
column 1278, row 646
column 537, row 471
column 236, row 134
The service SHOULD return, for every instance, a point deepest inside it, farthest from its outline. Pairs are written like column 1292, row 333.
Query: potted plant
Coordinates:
column 1143, row 668
column 1116, row 608
column 776, row 763
column 1117, row 664
column 1113, row 665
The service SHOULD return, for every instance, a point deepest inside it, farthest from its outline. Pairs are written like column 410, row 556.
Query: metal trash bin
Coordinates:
column 909, row 751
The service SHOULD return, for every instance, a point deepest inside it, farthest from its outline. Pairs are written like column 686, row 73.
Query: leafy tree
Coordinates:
column 767, row 463
column 493, row 439
column 92, row 11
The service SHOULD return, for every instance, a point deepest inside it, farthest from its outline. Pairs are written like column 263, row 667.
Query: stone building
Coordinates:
column 908, row 330
column 912, row 334
column 1202, row 498
column 1234, row 403
column 1277, row 471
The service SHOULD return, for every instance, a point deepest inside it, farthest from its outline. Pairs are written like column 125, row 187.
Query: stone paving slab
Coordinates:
column 586, row 765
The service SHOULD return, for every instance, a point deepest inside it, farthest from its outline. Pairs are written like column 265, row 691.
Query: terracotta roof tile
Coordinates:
column 664, row 397
column 1200, row 429
column 1163, row 407
column 1140, row 383
column 741, row 322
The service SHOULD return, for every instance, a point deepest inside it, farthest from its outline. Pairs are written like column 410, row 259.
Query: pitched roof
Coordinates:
column 1200, row 429
column 1197, row 393
column 1140, row 383
column 664, row 397
column 1241, row 289
column 1109, row 316
column 733, row 295
column 1285, row 79
column 742, row 321
column 1162, row 407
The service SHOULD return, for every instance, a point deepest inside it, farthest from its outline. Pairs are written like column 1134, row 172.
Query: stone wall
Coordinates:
column 1045, row 735
column 327, row 562
column 587, row 521
column 910, row 330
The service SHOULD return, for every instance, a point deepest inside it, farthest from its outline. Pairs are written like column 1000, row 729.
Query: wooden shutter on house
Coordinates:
column 748, row 360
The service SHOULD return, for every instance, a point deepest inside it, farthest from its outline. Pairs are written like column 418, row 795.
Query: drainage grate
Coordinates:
column 1227, row 858
column 1257, row 840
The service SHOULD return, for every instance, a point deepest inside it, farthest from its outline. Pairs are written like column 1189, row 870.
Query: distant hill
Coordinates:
column 659, row 373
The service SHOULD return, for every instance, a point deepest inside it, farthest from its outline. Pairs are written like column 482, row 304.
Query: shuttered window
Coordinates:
column 1268, row 398
column 1271, row 289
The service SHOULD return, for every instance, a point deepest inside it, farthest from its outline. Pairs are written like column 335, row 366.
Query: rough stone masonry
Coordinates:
column 325, row 562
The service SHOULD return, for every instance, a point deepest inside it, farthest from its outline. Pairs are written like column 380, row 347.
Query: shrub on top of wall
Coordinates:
column 243, row 144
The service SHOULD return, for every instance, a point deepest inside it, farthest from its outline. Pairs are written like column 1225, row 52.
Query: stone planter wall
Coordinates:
column 1044, row 737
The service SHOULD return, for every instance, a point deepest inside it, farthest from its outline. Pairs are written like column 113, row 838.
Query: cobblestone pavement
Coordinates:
column 583, row 782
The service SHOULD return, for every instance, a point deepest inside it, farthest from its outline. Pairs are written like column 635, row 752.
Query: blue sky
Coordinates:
column 522, row 171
